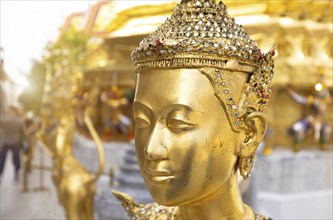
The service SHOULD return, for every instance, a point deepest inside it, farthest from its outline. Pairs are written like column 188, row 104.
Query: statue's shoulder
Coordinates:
column 151, row 211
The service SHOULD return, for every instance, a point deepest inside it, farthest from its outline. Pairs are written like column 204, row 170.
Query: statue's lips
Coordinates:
column 158, row 176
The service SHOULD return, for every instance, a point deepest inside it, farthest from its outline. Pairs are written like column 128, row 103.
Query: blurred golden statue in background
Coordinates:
column 201, row 92
column 75, row 185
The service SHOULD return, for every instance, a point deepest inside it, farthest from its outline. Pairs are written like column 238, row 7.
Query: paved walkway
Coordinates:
column 38, row 205
column 34, row 204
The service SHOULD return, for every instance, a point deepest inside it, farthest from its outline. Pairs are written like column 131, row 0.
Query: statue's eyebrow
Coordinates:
column 139, row 105
column 178, row 106
column 146, row 109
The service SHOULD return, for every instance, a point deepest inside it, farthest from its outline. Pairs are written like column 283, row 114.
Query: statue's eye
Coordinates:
column 141, row 122
column 177, row 125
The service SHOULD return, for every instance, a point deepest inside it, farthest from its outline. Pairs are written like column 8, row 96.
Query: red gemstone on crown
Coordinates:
column 158, row 42
column 273, row 53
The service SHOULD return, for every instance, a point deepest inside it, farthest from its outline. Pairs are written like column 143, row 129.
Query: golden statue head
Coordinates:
column 202, row 87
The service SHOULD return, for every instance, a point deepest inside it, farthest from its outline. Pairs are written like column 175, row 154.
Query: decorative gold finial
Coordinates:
column 200, row 33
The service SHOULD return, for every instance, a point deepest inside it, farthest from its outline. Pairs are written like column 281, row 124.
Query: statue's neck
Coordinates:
column 225, row 203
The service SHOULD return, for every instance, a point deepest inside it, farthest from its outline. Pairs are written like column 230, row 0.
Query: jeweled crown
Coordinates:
column 200, row 33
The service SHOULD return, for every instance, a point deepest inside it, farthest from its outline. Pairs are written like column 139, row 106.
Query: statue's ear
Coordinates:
column 253, row 132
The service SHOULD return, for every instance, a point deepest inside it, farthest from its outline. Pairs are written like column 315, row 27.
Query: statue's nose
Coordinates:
column 156, row 148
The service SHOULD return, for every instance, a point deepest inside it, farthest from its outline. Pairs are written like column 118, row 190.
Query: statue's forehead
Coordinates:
column 177, row 86
column 181, row 79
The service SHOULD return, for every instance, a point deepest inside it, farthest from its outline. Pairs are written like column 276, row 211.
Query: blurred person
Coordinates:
column 13, row 131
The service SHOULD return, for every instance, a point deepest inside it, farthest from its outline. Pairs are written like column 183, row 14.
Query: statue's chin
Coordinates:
column 170, row 199
column 161, row 197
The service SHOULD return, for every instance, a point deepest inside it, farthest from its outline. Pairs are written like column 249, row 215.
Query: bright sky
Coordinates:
column 27, row 26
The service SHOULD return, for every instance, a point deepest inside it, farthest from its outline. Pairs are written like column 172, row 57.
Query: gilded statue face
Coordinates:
column 185, row 146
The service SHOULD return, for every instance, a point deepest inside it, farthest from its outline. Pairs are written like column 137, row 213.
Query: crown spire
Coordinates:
column 199, row 27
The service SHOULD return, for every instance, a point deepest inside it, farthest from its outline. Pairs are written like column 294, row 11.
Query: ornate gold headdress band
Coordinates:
column 200, row 33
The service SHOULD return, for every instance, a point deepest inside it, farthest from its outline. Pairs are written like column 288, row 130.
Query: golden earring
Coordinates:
column 245, row 166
